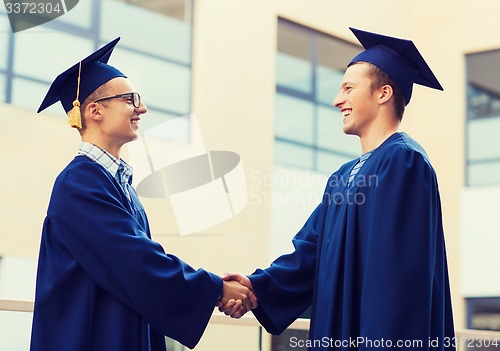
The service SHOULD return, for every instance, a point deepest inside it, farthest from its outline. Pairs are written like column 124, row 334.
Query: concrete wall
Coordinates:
column 34, row 149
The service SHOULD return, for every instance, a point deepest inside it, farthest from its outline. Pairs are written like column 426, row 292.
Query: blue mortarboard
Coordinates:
column 79, row 81
column 399, row 58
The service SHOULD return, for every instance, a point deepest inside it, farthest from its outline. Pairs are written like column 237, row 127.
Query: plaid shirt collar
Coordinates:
column 117, row 167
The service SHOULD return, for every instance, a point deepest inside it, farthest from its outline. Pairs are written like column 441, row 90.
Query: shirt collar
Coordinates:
column 108, row 161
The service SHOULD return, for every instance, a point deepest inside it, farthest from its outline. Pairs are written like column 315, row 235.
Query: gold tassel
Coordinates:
column 75, row 115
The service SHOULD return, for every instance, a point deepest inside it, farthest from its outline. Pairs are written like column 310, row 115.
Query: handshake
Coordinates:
column 237, row 296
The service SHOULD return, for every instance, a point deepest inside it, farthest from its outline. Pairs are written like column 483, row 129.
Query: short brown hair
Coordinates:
column 381, row 78
column 96, row 94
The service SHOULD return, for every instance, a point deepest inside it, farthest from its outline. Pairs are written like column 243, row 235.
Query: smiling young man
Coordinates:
column 371, row 259
column 102, row 282
column 122, row 107
column 368, row 103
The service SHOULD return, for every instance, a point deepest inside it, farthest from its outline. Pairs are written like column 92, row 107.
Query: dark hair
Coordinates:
column 379, row 79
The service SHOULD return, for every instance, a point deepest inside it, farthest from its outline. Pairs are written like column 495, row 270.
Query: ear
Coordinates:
column 93, row 112
column 385, row 93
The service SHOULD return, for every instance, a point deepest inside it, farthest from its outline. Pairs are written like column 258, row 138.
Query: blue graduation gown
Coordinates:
column 370, row 259
column 102, row 283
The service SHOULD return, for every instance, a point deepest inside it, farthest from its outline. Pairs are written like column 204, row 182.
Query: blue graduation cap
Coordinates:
column 79, row 81
column 399, row 58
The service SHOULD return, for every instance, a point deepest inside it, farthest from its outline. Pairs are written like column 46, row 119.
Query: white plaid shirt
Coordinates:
column 118, row 168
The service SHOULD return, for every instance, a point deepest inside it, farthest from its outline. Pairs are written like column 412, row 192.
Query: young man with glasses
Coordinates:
column 102, row 283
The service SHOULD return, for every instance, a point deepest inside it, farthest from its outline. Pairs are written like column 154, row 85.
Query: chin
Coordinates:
column 350, row 130
column 132, row 138
column 347, row 130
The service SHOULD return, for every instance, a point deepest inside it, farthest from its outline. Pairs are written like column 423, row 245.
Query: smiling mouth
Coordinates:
column 135, row 121
column 346, row 113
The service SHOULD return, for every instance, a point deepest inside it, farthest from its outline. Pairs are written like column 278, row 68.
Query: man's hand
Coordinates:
column 238, row 297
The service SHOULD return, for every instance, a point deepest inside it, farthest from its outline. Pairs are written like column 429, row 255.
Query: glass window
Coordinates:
column 155, row 50
column 293, row 63
column 327, row 83
column 33, row 43
column 161, row 84
column 333, row 55
column 293, row 155
column 331, row 135
column 2, row 87
column 483, row 139
column 152, row 30
column 80, row 15
column 483, row 313
column 4, row 40
column 293, row 72
column 294, row 119
column 483, row 118
column 482, row 103
column 483, row 88
column 29, row 94
column 310, row 69
column 484, row 173
column 328, row 162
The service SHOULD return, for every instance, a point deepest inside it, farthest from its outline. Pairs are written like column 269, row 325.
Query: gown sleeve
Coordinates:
column 285, row 289
column 405, row 286
column 88, row 217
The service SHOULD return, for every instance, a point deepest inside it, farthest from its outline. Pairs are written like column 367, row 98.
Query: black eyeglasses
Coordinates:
column 135, row 98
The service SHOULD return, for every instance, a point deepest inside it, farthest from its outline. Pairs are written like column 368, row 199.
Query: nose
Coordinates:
column 339, row 100
column 142, row 108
